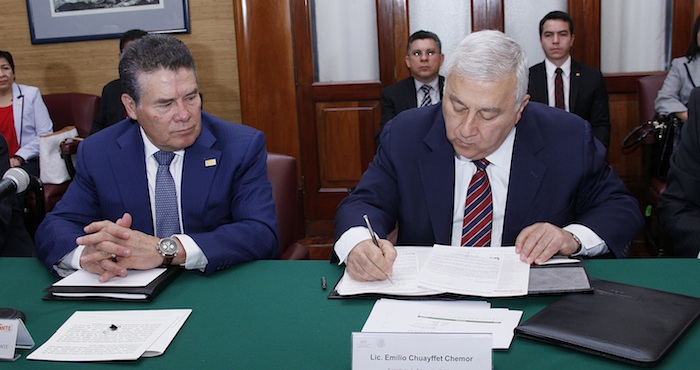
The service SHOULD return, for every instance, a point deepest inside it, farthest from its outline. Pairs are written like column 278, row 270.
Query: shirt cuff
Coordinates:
column 70, row 262
column 350, row 238
column 591, row 243
column 195, row 258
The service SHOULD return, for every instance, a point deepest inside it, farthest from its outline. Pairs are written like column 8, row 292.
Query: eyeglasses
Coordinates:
column 420, row 53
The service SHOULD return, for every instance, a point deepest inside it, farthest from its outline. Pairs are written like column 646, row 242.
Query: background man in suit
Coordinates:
column 423, row 59
column 679, row 204
column 551, row 190
column 220, row 209
column 583, row 88
column 14, row 238
column 111, row 107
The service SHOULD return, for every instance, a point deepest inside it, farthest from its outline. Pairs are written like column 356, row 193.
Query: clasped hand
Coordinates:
column 113, row 247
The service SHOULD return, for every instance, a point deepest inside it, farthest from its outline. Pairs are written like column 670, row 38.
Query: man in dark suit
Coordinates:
column 423, row 59
column 219, row 209
column 679, row 204
column 111, row 107
column 583, row 88
column 551, row 190
column 14, row 238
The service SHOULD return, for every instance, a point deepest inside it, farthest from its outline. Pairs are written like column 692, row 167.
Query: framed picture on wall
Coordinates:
column 52, row 21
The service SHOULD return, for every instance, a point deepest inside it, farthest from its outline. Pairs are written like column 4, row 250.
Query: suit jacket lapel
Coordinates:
column 438, row 180
column 539, row 76
column 199, row 168
column 575, row 82
column 526, row 173
column 130, row 164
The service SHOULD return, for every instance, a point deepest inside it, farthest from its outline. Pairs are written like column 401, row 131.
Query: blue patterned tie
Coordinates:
column 426, row 96
column 167, row 219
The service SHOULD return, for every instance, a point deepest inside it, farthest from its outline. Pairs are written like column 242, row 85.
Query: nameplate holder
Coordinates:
column 13, row 335
column 374, row 351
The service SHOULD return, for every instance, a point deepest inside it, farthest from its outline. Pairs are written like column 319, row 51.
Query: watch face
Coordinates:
column 167, row 247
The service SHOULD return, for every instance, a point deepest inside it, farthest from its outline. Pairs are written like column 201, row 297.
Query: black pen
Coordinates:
column 323, row 283
column 375, row 241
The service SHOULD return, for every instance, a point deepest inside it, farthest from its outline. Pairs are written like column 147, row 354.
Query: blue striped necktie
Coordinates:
column 167, row 216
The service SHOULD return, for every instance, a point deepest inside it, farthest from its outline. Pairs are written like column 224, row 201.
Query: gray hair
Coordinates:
column 490, row 55
column 148, row 54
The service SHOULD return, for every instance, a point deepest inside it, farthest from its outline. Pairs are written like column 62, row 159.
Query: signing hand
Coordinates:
column 366, row 262
column 539, row 242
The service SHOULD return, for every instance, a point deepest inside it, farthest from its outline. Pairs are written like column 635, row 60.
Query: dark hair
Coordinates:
column 693, row 48
column 557, row 15
column 420, row 35
column 148, row 54
column 8, row 56
column 130, row 35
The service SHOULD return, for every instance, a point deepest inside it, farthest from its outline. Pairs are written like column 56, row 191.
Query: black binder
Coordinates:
column 618, row 321
column 544, row 280
column 145, row 293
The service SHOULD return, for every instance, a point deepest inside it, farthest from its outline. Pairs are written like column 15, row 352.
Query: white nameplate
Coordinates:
column 426, row 351
column 13, row 334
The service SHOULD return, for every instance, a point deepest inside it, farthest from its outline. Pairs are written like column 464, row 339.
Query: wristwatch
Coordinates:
column 167, row 247
column 580, row 245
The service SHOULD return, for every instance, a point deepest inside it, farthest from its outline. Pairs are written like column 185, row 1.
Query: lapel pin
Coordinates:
column 578, row 74
column 210, row 162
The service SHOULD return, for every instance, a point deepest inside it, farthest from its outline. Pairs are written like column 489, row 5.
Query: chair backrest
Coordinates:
column 282, row 173
column 77, row 109
column 649, row 87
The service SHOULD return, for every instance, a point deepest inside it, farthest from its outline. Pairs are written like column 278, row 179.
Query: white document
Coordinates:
column 404, row 279
column 400, row 316
column 422, row 271
column 134, row 278
column 484, row 272
column 112, row 335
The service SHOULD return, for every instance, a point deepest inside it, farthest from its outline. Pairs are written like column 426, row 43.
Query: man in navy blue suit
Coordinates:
column 222, row 208
column 552, row 191
column 583, row 86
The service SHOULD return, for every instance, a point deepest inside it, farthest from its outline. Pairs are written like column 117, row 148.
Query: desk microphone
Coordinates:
column 14, row 181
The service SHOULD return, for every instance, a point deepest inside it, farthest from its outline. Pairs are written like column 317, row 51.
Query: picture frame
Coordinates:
column 53, row 21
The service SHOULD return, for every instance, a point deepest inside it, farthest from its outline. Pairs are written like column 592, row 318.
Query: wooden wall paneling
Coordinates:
column 266, row 71
column 682, row 25
column 393, row 33
column 487, row 15
column 586, row 17
column 344, row 130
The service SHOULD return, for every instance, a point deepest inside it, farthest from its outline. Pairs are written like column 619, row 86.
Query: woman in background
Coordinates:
column 683, row 76
column 23, row 117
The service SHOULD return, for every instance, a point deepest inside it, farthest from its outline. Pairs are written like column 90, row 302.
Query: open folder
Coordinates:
column 137, row 286
column 426, row 273
column 618, row 321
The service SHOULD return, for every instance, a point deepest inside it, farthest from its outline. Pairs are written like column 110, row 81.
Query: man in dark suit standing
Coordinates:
column 679, row 204
column 582, row 90
column 111, row 107
column 538, row 179
column 424, row 87
column 171, row 185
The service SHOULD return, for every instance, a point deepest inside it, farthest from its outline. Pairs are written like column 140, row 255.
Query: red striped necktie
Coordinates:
column 478, row 209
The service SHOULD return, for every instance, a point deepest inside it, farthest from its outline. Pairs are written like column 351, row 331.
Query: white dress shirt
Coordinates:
column 550, row 69
column 434, row 91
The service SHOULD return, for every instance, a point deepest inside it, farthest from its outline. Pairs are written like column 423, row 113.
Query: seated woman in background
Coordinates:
column 683, row 76
column 23, row 117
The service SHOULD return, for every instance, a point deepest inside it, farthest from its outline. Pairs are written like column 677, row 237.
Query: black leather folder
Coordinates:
column 544, row 280
column 122, row 294
column 618, row 321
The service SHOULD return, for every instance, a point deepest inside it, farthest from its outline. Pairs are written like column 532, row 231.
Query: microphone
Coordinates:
column 14, row 181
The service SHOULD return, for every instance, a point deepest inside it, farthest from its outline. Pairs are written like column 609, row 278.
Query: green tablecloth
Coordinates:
column 274, row 315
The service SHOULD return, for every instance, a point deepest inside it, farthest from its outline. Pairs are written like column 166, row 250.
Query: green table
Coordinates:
column 274, row 315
